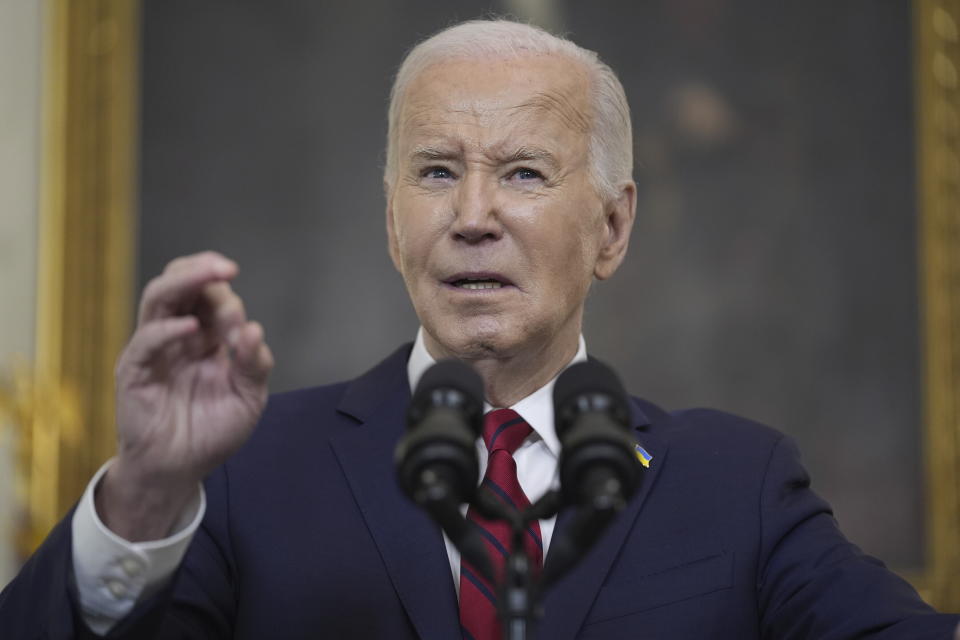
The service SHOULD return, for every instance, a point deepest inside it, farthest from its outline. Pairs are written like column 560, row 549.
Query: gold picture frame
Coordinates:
column 86, row 268
column 937, row 81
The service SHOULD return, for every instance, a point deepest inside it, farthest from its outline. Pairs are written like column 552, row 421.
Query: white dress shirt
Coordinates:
column 113, row 573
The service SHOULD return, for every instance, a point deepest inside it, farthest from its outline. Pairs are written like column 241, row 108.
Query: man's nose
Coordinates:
column 476, row 211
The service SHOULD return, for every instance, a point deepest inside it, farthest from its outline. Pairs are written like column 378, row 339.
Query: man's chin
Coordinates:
column 471, row 343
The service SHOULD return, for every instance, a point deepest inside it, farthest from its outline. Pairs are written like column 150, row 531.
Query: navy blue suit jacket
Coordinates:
column 307, row 536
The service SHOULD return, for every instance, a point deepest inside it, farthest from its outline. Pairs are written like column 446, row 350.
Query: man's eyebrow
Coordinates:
column 429, row 154
column 520, row 154
column 529, row 154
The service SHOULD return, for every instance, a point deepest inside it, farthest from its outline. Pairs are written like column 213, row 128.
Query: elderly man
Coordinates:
column 508, row 191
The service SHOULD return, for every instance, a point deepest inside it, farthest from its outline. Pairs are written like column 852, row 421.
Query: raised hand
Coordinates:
column 191, row 384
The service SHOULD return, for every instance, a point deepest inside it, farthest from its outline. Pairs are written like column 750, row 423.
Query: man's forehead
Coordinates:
column 524, row 91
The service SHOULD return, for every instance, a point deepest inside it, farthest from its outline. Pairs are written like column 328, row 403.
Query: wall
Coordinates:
column 20, row 68
column 773, row 266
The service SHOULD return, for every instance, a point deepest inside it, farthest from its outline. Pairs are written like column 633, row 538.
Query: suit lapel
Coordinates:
column 568, row 602
column 410, row 544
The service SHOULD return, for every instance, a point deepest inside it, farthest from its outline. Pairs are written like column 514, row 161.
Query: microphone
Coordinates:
column 436, row 459
column 599, row 469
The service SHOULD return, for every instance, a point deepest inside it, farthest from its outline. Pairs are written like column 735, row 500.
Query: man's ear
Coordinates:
column 618, row 215
column 393, row 247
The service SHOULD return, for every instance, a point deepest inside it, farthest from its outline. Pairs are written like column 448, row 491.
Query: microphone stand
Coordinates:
column 520, row 590
column 519, row 593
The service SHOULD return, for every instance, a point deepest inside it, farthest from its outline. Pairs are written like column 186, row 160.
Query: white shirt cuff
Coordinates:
column 113, row 573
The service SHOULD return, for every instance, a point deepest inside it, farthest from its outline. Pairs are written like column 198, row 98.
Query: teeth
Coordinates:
column 479, row 284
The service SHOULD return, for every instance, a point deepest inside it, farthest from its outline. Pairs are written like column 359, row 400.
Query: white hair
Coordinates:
column 611, row 139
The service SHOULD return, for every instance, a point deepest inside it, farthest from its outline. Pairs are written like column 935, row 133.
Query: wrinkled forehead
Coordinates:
column 539, row 92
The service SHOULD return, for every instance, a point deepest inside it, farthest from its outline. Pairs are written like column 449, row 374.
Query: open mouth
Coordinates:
column 477, row 281
column 477, row 284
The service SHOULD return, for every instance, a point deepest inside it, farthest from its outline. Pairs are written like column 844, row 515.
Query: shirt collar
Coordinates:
column 536, row 408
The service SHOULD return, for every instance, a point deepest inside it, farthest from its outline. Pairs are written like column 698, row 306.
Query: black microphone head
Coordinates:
column 437, row 458
column 588, row 386
column 598, row 466
column 452, row 384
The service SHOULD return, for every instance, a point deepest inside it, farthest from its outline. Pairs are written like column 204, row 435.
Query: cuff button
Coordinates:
column 117, row 588
column 131, row 567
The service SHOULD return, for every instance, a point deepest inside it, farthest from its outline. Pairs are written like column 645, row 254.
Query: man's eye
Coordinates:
column 438, row 173
column 525, row 174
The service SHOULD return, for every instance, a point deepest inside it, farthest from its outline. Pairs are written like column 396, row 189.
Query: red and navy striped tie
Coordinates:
column 503, row 432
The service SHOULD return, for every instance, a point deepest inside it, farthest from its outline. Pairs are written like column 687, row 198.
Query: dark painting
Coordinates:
column 772, row 271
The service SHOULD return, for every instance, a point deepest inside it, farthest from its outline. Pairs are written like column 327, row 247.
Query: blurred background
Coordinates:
column 773, row 270
column 773, row 265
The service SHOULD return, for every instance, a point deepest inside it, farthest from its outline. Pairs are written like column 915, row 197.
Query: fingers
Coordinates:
column 219, row 309
column 192, row 304
column 176, row 290
column 252, row 356
column 151, row 338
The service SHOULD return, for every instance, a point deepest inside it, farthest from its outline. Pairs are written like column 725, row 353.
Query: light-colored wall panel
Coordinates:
column 20, row 69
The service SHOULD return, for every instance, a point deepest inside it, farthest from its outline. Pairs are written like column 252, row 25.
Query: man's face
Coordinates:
column 493, row 220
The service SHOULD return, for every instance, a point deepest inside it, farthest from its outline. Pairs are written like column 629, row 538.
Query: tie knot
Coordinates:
column 504, row 429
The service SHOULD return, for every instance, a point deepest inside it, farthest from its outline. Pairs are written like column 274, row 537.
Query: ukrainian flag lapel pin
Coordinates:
column 643, row 456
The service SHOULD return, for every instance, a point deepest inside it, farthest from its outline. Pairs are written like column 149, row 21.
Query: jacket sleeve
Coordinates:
column 37, row 604
column 198, row 603
column 814, row 583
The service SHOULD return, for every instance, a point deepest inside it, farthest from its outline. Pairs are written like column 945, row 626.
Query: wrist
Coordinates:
column 139, row 506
